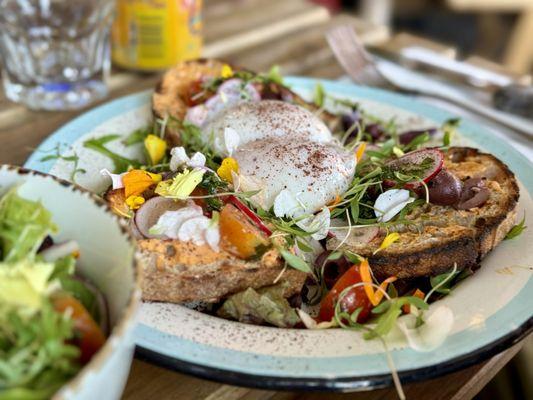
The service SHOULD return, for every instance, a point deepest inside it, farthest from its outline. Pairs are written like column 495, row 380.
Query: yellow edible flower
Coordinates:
column 137, row 181
column 134, row 202
column 389, row 239
column 181, row 186
column 155, row 147
column 360, row 151
column 228, row 165
column 226, row 71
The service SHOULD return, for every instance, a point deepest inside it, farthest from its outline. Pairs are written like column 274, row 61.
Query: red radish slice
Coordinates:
column 363, row 235
column 414, row 160
column 149, row 213
column 250, row 214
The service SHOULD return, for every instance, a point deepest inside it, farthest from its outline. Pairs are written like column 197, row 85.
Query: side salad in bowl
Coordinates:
column 55, row 313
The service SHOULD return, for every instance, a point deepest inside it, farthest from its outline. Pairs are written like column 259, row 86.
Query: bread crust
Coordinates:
column 178, row 272
column 443, row 243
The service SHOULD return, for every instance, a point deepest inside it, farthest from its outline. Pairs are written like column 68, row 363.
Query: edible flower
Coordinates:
column 286, row 204
column 390, row 203
column 181, row 186
column 155, row 147
column 189, row 224
column 374, row 297
column 116, row 179
column 135, row 202
column 389, row 239
column 226, row 72
column 360, row 152
column 228, row 143
column 179, row 158
column 229, row 165
column 317, row 225
column 137, row 181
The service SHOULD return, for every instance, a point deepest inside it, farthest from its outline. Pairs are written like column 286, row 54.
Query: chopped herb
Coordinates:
column 517, row 229
column 319, row 95
column 121, row 164
column 137, row 136
column 74, row 159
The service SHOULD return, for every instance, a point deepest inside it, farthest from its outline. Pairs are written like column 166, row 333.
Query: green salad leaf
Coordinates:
column 23, row 226
column 121, row 163
column 35, row 356
column 517, row 229
column 266, row 305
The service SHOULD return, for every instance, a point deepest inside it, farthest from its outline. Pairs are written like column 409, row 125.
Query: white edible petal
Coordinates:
column 390, row 203
column 319, row 224
column 170, row 222
column 116, row 179
column 197, row 115
column 309, row 256
column 231, row 140
column 178, row 158
column 197, row 160
column 432, row 333
column 286, row 204
column 193, row 230
column 212, row 236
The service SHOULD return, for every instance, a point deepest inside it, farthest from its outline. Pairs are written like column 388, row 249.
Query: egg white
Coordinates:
column 264, row 119
column 314, row 173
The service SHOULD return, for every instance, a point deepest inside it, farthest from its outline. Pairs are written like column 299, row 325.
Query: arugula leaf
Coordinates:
column 137, row 136
column 516, row 230
column 295, row 261
column 23, row 226
column 74, row 159
column 386, row 320
column 446, row 287
column 121, row 164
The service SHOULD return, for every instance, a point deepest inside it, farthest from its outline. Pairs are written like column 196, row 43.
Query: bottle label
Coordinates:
column 156, row 34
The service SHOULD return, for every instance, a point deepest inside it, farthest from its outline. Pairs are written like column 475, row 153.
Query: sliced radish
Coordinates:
column 250, row 214
column 413, row 162
column 149, row 213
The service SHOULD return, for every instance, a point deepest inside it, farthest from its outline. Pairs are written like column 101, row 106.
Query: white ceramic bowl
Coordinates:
column 107, row 258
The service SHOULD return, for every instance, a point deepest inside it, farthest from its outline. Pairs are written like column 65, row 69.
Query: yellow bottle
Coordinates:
column 156, row 34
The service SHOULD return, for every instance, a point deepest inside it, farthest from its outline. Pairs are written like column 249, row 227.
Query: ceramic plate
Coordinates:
column 492, row 309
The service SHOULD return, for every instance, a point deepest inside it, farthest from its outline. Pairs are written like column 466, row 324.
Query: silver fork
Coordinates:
column 361, row 67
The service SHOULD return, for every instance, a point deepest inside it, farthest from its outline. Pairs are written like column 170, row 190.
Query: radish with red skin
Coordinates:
column 416, row 158
column 250, row 214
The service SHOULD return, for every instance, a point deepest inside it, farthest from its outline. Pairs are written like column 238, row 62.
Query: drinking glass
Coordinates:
column 55, row 53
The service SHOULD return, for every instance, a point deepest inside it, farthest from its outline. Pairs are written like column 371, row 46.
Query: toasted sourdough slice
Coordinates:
column 441, row 236
column 179, row 272
column 171, row 93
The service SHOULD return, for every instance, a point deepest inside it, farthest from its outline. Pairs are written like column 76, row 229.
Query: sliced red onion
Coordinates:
column 444, row 189
column 197, row 115
column 59, row 250
column 149, row 213
column 474, row 194
column 416, row 158
column 250, row 214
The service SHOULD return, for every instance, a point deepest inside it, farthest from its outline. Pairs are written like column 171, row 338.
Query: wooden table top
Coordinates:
column 256, row 34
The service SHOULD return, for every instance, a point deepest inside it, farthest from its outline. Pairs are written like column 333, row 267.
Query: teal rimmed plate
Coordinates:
column 492, row 309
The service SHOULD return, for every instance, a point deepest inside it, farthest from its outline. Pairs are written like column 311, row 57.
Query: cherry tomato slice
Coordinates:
column 352, row 300
column 90, row 337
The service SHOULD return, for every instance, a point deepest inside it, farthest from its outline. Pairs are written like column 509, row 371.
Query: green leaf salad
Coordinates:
column 43, row 343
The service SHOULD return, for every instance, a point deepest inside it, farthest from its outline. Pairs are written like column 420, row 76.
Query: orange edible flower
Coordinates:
column 137, row 181
column 374, row 297
column 360, row 151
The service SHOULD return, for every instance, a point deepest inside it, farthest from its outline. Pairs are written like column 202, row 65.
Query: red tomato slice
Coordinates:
column 352, row 300
column 90, row 337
